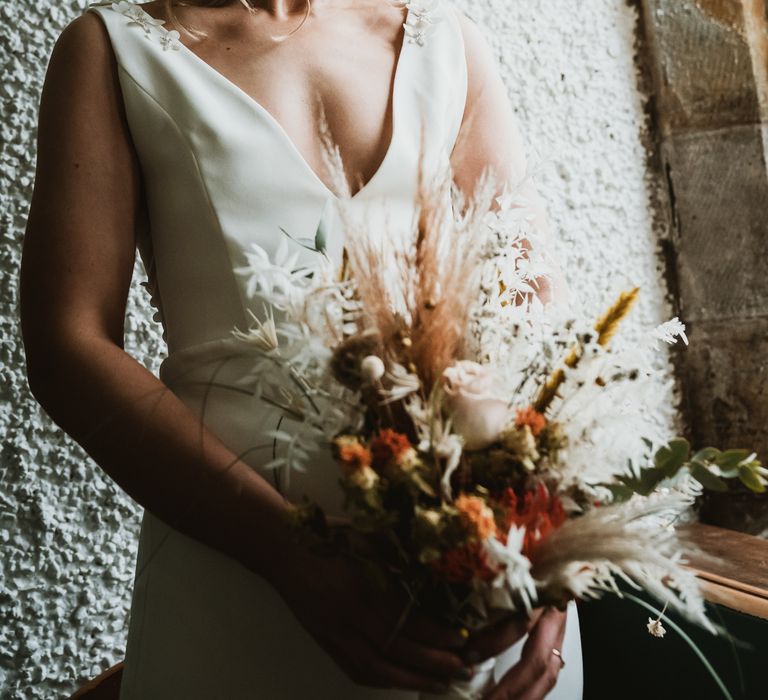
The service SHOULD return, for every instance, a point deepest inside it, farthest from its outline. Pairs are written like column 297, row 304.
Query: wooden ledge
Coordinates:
column 733, row 568
column 105, row 687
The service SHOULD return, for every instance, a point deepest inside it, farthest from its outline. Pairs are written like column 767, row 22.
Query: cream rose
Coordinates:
column 479, row 414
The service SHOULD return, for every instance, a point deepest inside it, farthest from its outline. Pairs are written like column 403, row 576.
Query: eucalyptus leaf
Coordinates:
column 706, row 478
column 707, row 454
column 647, row 443
column 620, row 492
column 672, row 456
column 751, row 480
column 648, row 481
column 321, row 238
column 729, row 459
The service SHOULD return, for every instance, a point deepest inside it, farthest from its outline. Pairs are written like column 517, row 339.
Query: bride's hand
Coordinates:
column 536, row 673
column 496, row 638
column 354, row 624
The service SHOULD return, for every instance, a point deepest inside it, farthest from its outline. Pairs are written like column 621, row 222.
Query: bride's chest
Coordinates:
column 337, row 69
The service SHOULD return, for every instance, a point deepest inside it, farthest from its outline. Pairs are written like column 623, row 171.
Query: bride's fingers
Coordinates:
column 365, row 665
column 426, row 646
column 420, row 644
column 536, row 672
column 435, row 662
column 491, row 641
column 421, row 629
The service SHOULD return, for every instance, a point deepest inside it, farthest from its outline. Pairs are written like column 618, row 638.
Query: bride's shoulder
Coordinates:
column 476, row 46
column 490, row 135
column 81, row 78
column 483, row 78
column 82, row 46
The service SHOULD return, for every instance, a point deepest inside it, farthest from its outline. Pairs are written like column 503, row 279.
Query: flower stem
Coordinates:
column 686, row 639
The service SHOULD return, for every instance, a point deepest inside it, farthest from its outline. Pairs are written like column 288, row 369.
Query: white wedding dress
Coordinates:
column 219, row 173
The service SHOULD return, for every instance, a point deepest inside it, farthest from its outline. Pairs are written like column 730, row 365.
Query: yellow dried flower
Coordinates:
column 521, row 443
column 606, row 328
column 608, row 323
column 364, row 478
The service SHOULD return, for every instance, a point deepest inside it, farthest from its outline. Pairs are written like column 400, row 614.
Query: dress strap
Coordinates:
column 438, row 76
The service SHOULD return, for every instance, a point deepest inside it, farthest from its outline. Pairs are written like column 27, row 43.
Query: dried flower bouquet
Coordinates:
column 480, row 436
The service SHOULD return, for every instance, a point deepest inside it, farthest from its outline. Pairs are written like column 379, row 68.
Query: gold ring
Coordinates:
column 557, row 653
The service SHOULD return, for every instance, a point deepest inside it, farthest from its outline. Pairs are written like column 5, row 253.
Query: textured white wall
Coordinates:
column 67, row 533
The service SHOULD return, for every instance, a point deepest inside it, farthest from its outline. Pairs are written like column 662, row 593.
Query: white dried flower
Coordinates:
column 670, row 330
column 364, row 478
column 515, row 567
column 170, row 40
column 404, row 383
column 372, row 369
column 283, row 283
column 656, row 628
column 262, row 335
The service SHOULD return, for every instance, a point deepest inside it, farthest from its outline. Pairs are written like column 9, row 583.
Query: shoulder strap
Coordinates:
column 140, row 43
column 439, row 74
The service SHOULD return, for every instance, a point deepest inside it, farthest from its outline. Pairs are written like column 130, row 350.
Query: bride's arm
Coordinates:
column 76, row 271
column 490, row 138
column 77, row 263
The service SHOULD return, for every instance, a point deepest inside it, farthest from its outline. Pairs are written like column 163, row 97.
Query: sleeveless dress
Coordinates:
column 220, row 173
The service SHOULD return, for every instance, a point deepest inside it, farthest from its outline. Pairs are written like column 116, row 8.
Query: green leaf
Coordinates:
column 729, row 459
column 708, row 454
column 672, row 456
column 647, row 443
column 648, row 481
column 321, row 238
column 423, row 485
column 751, row 480
column 706, row 478
column 620, row 492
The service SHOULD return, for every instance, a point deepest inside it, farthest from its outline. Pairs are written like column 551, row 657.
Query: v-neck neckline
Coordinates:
column 276, row 126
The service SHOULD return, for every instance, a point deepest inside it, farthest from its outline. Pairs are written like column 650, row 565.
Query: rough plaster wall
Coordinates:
column 67, row 534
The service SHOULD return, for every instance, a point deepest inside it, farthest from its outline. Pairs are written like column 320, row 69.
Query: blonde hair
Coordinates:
column 170, row 15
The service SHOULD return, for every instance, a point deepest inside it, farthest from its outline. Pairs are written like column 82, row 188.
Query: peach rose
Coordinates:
column 479, row 415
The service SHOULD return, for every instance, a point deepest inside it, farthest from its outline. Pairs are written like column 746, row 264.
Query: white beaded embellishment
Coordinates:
column 170, row 40
column 422, row 18
column 152, row 27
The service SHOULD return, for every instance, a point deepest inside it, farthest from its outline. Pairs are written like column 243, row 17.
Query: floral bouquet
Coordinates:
column 480, row 435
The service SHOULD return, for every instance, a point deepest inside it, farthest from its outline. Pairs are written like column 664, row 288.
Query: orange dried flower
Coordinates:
column 539, row 513
column 532, row 418
column 389, row 446
column 352, row 454
column 464, row 565
column 476, row 513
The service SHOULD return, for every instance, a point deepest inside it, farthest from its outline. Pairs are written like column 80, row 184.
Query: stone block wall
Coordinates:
column 710, row 66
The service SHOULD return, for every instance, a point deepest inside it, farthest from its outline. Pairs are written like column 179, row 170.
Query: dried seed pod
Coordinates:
column 348, row 356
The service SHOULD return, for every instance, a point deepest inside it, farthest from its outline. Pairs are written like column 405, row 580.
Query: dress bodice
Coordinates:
column 221, row 173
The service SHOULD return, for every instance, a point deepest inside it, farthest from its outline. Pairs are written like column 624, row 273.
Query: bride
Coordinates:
column 190, row 146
